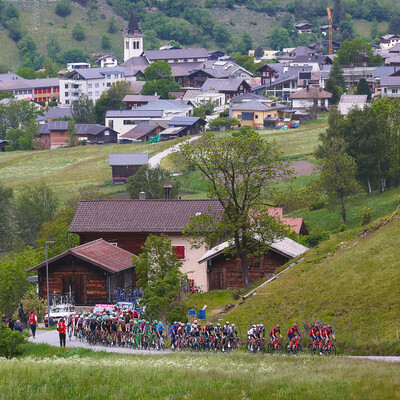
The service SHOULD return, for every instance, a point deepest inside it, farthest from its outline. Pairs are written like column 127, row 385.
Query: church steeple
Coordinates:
column 133, row 39
column 133, row 26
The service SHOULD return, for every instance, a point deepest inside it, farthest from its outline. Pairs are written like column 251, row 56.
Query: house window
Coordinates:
column 180, row 251
column 96, row 93
column 394, row 90
column 129, row 122
column 114, row 243
column 66, row 86
column 96, row 85
column 90, row 93
column 66, row 101
column 106, row 133
column 108, row 84
column 127, row 45
column 256, row 116
column 66, row 94
column 89, row 85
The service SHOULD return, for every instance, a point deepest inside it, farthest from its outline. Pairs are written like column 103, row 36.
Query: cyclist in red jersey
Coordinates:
column 273, row 332
column 327, row 332
column 293, row 334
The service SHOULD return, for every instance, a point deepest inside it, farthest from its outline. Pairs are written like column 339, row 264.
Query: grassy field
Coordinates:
column 66, row 170
column 350, row 280
column 83, row 374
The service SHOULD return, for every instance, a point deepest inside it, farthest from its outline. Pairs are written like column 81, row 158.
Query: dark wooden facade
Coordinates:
column 89, row 283
column 224, row 273
column 121, row 173
column 107, row 136
column 131, row 242
column 267, row 74
column 196, row 79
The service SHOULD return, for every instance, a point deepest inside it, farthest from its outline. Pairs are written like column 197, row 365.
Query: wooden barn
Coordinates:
column 225, row 272
column 92, row 271
column 190, row 125
column 125, row 165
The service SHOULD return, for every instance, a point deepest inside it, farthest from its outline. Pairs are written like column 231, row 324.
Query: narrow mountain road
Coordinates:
column 51, row 338
column 156, row 159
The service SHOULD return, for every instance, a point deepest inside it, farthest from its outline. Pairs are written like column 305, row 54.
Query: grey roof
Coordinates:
column 312, row 92
column 137, row 86
column 384, row 71
column 135, row 113
column 247, row 97
column 140, row 61
column 58, row 112
column 139, row 131
column 183, row 121
column 257, row 105
column 90, row 129
column 128, row 159
column 53, row 126
column 176, row 54
column 15, row 85
column 96, row 73
column 10, row 76
column 139, row 98
column 309, row 59
column 165, row 105
column 390, row 81
column 44, row 83
column 133, row 24
column 287, row 247
column 354, row 98
column 172, row 130
column 3, row 141
column 230, row 85
column 395, row 48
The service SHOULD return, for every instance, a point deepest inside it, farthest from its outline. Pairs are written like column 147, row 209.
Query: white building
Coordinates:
column 133, row 39
column 311, row 96
column 92, row 82
column 107, row 61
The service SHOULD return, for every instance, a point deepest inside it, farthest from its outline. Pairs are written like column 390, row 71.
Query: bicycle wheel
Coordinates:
column 261, row 347
column 288, row 350
column 311, row 349
column 271, row 348
column 332, row 350
column 298, row 348
column 279, row 349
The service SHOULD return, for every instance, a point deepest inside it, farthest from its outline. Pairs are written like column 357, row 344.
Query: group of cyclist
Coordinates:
column 222, row 337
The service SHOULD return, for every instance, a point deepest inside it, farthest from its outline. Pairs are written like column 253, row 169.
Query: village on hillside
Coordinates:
column 194, row 200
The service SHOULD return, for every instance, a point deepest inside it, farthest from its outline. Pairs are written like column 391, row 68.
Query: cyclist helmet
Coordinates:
column 218, row 324
column 195, row 321
column 294, row 325
column 329, row 326
column 233, row 325
column 182, row 324
column 324, row 327
column 227, row 323
column 277, row 327
column 155, row 322
column 261, row 325
column 188, row 324
column 254, row 327
column 147, row 322
column 176, row 323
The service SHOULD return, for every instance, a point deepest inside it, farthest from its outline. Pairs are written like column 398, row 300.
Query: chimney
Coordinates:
column 308, row 88
column 142, row 196
column 167, row 191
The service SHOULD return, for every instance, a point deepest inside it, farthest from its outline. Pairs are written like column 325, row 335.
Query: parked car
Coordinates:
column 103, row 307
column 58, row 312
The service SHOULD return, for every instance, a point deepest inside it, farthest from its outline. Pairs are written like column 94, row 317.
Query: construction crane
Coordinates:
column 330, row 31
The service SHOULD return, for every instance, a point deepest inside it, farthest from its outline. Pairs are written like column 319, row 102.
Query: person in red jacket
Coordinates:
column 33, row 322
column 61, row 332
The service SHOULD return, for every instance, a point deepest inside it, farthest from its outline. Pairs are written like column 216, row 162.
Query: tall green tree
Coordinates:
column 78, row 32
column 111, row 99
column 158, row 70
column 72, row 138
column 357, row 52
column 151, row 181
column 159, row 274
column 279, row 38
column 34, row 206
column 82, row 110
column 238, row 170
column 336, row 75
column 363, row 88
column 8, row 227
column 338, row 175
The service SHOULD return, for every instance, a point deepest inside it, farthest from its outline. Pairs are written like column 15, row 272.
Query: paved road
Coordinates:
column 51, row 338
column 156, row 159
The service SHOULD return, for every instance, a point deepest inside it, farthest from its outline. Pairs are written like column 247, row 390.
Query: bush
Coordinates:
column 78, row 32
column 315, row 237
column 11, row 342
column 63, row 8
column 317, row 205
column 179, row 313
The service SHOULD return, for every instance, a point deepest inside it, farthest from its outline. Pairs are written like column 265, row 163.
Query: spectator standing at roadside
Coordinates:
column 33, row 322
column 61, row 332
column 21, row 314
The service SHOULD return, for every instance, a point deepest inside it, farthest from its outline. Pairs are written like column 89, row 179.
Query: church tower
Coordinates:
column 133, row 39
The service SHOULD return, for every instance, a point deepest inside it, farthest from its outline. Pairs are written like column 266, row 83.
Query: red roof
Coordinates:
column 99, row 253
column 150, row 216
column 295, row 224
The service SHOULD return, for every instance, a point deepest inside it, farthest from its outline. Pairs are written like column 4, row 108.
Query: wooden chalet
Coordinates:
column 268, row 74
column 230, row 87
column 128, row 223
column 225, row 272
column 124, row 165
column 141, row 132
column 92, row 271
column 190, row 125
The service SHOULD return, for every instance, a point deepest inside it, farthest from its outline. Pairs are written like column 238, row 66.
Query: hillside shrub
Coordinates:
column 366, row 217
column 78, row 32
column 63, row 8
column 315, row 237
column 11, row 342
